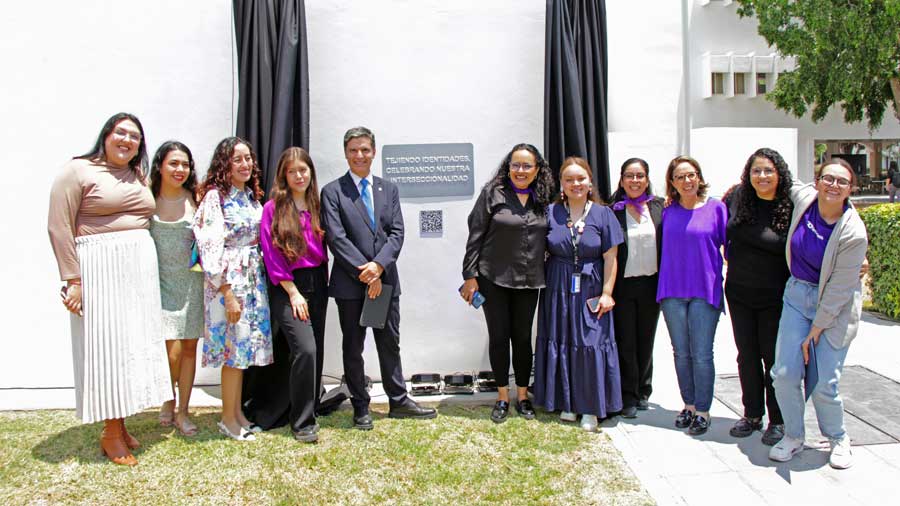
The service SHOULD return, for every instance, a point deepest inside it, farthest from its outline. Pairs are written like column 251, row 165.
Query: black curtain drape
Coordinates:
column 575, row 86
column 273, row 106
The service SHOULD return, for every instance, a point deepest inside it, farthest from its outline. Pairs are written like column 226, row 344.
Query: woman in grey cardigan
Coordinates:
column 822, row 299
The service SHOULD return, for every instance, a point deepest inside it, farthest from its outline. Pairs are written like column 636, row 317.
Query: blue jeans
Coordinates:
column 692, row 327
column 800, row 301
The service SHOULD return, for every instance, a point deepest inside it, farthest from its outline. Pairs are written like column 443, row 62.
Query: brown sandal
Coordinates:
column 130, row 441
column 112, row 444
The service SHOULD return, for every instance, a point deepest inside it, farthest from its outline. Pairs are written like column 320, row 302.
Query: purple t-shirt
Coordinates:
column 277, row 266
column 808, row 245
column 691, row 264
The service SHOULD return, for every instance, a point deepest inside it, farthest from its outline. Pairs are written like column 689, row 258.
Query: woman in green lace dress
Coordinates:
column 173, row 183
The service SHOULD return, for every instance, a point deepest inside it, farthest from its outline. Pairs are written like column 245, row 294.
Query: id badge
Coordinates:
column 575, row 285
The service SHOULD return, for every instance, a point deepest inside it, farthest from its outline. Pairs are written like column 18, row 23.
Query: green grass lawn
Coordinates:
column 47, row 457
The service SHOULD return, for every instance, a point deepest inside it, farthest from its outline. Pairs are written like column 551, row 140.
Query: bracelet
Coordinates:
column 75, row 281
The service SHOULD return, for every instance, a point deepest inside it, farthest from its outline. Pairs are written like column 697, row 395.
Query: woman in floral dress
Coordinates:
column 237, row 333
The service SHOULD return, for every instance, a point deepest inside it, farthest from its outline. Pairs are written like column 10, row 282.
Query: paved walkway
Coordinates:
column 716, row 468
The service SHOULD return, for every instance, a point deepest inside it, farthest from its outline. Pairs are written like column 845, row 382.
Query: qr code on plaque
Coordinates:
column 431, row 223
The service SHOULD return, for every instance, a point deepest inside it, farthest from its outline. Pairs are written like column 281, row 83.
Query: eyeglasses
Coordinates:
column 125, row 134
column 831, row 181
column 637, row 176
column 690, row 176
column 521, row 167
column 761, row 172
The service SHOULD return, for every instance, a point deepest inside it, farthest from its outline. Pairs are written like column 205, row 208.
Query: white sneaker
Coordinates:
column 841, row 455
column 567, row 416
column 589, row 423
column 785, row 449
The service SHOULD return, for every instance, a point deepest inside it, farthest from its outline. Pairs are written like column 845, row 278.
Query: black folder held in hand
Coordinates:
column 374, row 311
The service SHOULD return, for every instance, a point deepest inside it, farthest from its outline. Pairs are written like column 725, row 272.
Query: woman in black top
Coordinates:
column 636, row 313
column 504, row 260
column 759, row 214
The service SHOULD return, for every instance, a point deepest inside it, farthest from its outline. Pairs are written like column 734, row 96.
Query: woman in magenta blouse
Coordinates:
column 690, row 285
column 296, row 261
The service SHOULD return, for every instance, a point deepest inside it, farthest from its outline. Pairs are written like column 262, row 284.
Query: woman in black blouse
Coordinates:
column 637, row 313
column 505, row 261
column 759, row 214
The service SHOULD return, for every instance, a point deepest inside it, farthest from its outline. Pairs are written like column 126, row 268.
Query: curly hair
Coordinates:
column 98, row 153
column 620, row 194
column 581, row 162
column 543, row 186
column 672, row 194
column 190, row 182
column 287, row 231
column 747, row 200
column 218, row 177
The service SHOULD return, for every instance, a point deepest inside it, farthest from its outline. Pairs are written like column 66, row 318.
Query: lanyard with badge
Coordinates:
column 576, row 230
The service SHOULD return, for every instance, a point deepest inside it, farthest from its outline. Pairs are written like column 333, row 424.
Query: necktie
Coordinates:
column 367, row 200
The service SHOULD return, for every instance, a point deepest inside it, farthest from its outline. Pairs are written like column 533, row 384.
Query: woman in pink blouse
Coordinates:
column 100, row 208
column 296, row 261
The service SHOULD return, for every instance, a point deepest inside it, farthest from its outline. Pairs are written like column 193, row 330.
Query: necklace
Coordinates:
column 179, row 199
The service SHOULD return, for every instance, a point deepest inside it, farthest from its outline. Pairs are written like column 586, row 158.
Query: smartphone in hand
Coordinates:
column 477, row 298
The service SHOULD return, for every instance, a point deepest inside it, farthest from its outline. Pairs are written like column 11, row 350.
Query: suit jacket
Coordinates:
column 840, row 289
column 656, row 207
column 352, row 241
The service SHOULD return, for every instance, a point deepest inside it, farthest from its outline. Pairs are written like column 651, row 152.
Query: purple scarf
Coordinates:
column 518, row 190
column 638, row 203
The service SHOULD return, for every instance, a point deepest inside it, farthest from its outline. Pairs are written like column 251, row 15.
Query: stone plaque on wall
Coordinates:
column 430, row 170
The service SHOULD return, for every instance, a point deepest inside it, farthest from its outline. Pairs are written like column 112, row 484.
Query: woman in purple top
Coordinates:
column 690, row 285
column 825, row 252
column 296, row 261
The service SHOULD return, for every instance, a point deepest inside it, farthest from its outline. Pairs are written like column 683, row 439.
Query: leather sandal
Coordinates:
column 130, row 441
column 112, row 443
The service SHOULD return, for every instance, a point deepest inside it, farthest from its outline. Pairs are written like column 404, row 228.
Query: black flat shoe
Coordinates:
column 745, row 426
column 308, row 434
column 629, row 412
column 500, row 412
column 773, row 434
column 699, row 426
column 643, row 405
column 525, row 409
column 684, row 419
column 411, row 409
column 363, row 422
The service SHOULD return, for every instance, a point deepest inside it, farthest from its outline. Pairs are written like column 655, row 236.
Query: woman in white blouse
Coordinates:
column 636, row 313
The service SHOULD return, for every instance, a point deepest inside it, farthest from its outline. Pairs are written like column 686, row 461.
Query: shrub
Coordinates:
column 883, row 224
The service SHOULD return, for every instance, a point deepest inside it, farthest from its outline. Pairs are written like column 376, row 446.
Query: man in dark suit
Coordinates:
column 364, row 230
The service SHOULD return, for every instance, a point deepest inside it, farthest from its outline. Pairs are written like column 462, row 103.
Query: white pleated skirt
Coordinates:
column 118, row 349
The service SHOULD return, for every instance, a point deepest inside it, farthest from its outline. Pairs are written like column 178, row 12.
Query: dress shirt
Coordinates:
column 641, row 245
column 507, row 240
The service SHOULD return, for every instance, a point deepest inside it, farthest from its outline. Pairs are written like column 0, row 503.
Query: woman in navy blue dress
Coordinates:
column 576, row 360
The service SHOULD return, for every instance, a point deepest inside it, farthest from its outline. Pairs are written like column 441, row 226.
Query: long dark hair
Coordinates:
column 98, row 153
column 287, row 231
column 581, row 162
column 672, row 194
column 619, row 194
column 543, row 185
column 190, row 182
column 219, row 174
column 747, row 200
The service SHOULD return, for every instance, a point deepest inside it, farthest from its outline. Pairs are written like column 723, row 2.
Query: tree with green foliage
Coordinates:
column 847, row 52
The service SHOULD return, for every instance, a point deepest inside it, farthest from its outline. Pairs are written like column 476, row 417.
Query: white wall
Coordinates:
column 426, row 71
column 645, row 85
column 67, row 67
column 725, row 152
